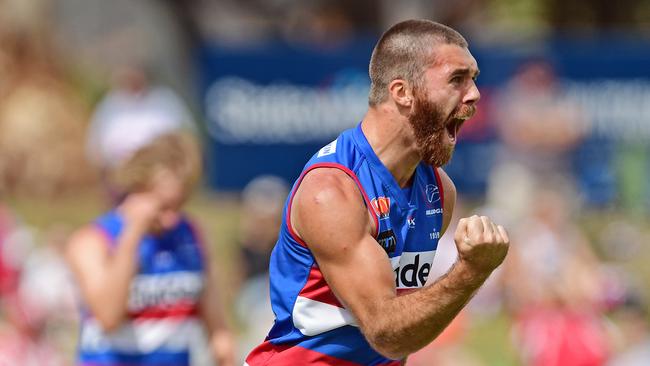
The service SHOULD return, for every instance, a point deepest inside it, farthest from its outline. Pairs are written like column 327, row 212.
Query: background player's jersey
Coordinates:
column 311, row 325
column 162, row 306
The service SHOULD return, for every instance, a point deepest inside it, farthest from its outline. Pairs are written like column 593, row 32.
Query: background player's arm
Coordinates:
column 212, row 312
column 103, row 274
column 329, row 214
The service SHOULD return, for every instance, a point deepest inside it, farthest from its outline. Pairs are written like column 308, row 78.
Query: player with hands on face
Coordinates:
column 145, row 276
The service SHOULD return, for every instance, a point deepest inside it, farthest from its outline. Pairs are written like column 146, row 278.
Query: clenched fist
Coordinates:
column 481, row 243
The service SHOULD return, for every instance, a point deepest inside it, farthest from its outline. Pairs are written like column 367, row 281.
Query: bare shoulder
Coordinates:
column 328, row 203
column 322, row 184
column 449, row 199
column 85, row 241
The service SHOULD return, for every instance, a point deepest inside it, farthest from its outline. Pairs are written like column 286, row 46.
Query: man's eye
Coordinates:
column 456, row 80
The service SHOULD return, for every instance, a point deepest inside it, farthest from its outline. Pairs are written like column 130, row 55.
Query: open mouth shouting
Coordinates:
column 452, row 127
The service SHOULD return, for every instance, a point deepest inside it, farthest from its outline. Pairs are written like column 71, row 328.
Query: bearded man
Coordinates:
column 361, row 224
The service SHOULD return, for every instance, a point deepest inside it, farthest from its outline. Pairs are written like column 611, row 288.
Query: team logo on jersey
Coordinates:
column 381, row 206
column 387, row 240
column 411, row 221
column 328, row 149
column 432, row 193
column 163, row 259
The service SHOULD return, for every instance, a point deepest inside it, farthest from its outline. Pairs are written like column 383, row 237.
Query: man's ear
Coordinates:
column 400, row 91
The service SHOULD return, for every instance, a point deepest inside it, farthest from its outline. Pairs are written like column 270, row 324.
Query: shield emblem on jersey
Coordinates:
column 433, row 194
column 381, row 206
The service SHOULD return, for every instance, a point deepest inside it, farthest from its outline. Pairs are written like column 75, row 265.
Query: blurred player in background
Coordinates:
column 145, row 275
column 133, row 113
column 261, row 215
column 363, row 221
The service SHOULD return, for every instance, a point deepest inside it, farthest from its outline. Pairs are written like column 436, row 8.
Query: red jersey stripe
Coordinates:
column 317, row 289
column 159, row 312
column 268, row 354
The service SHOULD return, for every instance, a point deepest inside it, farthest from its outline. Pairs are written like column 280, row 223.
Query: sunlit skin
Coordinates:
column 449, row 98
column 408, row 127
column 169, row 190
column 157, row 208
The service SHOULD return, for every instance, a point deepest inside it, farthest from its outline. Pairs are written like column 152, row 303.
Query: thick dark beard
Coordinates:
column 428, row 123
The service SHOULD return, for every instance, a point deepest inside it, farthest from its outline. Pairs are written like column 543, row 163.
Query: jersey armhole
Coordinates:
column 103, row 232
column 347, row 171
column 440, row 187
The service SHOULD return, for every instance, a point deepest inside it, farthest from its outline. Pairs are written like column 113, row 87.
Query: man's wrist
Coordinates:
column 468, row 275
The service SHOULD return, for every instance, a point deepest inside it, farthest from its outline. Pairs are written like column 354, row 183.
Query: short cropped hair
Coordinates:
column 178, row 153
column 404, row 51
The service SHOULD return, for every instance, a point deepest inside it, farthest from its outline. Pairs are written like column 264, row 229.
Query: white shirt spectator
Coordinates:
column 125, row 121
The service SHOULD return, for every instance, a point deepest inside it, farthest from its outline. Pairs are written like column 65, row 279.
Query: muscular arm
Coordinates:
column 104, row 275
column 329, row 214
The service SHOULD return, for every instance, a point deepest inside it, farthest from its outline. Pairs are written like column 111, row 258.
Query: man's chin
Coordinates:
column 441, row 163
column 438, row 160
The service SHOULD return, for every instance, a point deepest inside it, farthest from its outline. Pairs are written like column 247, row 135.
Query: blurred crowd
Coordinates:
column 572, row 291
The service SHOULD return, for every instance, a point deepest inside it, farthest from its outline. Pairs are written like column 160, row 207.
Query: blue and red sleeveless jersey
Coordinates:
column 312, row 326
column 162, row 311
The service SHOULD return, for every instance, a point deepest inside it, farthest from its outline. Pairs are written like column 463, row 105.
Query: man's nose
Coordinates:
column 472, row 96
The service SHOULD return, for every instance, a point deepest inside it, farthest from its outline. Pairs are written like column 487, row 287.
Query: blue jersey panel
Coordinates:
column 408, row 225
column 162, row 310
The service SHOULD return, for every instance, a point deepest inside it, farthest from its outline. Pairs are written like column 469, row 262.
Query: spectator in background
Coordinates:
column 47, row 287
column 539, row 128
column 41, row 115
column 131, row 115
column 9, row 271
column 318, row 23
column 144, row 274
column 263, row 203
column 631, row 317
column 23, row 339
column 554, row 286
column 537, row 124
column 35, row 296
column 263, row 200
